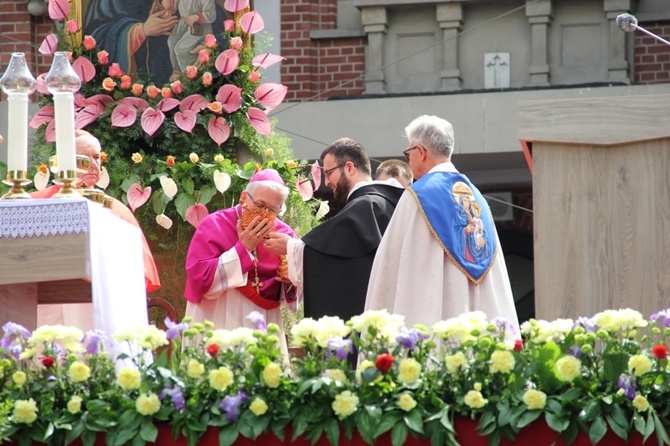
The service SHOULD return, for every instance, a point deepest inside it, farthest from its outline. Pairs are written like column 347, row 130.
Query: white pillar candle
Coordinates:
column 65, row 145
column 17, row 131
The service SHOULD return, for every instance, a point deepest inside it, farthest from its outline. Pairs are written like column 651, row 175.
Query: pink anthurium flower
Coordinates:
column 59, row 9
column 85, row 116
column 49, row 44
column 152, row 120
column 124, row 116
column 252, row 22
column 316, row 174
column 72, row 26
column 138, row 104
column 84, row 68
column 219, row 130
column 227, row 62
column 196, row 213
column 100, row 101
column 305, row 189
column 185, row 120
column 167, row 104
column 43, row 115
column 271, row 94
column 50, row 132
column 235, row 5
column 194, row 102
column 137, row 196
column 103, row 182
column 41, row 85
column 266, row 60
column 230, row 97
column 259, row 121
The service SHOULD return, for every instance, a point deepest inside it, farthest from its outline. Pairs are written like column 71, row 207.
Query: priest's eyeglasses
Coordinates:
column 332, row 169
column 263, row 206
column 406, row 152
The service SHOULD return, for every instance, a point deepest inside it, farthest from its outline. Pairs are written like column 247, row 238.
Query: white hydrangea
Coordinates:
column 616, row 320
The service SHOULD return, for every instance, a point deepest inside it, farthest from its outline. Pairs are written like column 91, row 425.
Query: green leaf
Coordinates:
column 639, row 423
column 148, row 431
column 399, row 434
column 159, row 201
column 620, row 431
column 414, row 421
column 661, row 433
column 206, row 194
column 88, row 438
column 389, row 420
column 124, row 436
column 228, row 435
column 182, row 202
column 556, row 423
column 528, row 418
column 75, row 432
column 650, row 428
column 188, row 185
column 614, row 364
column 333, row 431
column 597, row 430
column 619, row 417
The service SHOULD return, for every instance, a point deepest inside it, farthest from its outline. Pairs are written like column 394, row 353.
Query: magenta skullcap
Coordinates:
column 267, row 175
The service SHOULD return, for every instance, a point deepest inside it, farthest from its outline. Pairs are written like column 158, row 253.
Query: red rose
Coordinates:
column 660, row 351
column 212, row 349
column 384, row 362
column 518, row 345
column 48, row 362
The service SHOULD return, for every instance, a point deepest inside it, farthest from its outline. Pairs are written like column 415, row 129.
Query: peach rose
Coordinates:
column 72, row 26
column 137, row 89
column 236, row 43
column 115, row 70
column 177, row 87
column 170, row 161
column 191, row 72
column 103, row 57
column 166, row 92
column 108, row 84
column 216, row 107
column 228, row 25
column 254, row 76
column 153, row 91
column 89, row 42
column 210, row 41
column 203, row 56
column 207, row 79
column 125, row 82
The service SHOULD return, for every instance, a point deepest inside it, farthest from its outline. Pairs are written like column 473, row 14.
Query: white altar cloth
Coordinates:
column 113, row 264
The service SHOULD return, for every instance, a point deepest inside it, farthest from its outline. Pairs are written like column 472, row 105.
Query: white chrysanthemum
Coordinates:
column 241, row 336
column 336, row 375
column 541, row 331
column 68, row 337
column 329, row 327
column 151, row 338
column 304, row 331
column 502, row 361
column 456, row 363
column 460, row 328
column 129, row 335
column 387, row 325
column 624, row 319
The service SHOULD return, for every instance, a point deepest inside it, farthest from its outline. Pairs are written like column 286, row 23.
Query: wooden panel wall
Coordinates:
column 602, row 228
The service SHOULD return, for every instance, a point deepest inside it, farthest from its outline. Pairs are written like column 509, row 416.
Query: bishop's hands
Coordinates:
column 257, row 230
column 276, row 243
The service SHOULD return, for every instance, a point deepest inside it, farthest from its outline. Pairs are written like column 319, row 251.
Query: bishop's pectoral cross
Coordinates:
column 257, row 284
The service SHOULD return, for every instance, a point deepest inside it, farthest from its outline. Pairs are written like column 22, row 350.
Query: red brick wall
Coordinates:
column 652, row 57
column 317, row 69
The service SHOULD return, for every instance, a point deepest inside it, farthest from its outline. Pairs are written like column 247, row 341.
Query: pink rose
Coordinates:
column 108, row 84
column 177, row 87
column 103, row 57
column 191, row 72
column 207, row 79
column 115, row 70
column 137, row 89
column 203, row 56
column 166, row 92
column 254, row 76
column 125, row 82
column 153, row 91
column 89, row 42
column 236, row 43
column 72, row 26
column 228, row 25
column 210, row 41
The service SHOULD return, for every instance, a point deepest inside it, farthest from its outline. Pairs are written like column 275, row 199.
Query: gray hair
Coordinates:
column 433, row 133
column 281, row 190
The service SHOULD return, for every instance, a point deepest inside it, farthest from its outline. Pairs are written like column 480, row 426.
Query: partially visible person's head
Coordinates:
column 87, row 144
column 345, row 163
column 430, row 141
column 265, row 192
column 397, row 169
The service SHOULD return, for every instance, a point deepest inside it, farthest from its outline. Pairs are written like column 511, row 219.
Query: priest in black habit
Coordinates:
column 333, row 261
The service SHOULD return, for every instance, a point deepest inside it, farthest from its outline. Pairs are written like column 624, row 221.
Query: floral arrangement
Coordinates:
column 179, row 146
column 590, row 375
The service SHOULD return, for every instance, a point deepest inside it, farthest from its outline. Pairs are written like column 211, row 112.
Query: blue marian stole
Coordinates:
column 459, row 218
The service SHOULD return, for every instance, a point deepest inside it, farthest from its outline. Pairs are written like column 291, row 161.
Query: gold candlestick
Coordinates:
column 17, row 179
column 67, row 180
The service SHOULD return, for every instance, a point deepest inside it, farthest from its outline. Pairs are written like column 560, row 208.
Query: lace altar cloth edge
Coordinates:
column 43, row 217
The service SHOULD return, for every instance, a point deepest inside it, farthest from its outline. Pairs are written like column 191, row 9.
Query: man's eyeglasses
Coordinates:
column 263, row 206
column 332, row 169
column 406, row 152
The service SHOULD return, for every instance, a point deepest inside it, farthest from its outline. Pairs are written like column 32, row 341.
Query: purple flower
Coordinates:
column 174, row 330
column 627, row 383
column 12, row 329
column 665, row 314
column 409, row 338
column 257, row 319
column 341, row 347
column 12, row 341
column 576, row 351
column 504, row 325
column 586, row 322
column 93, row 340
column 175, row 395
column 231, row 405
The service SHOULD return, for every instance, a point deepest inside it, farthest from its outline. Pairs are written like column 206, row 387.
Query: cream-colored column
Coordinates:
column 617, row 63
column 375, row 24
column 539, row 16
column 450, row 18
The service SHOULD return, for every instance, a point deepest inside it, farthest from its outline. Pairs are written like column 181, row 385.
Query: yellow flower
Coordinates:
column 79, row 372
column 534, row 399
column 456, row 362
column 220, row 378
column 195, row 368
column 345, row 404
column 639, row 365
column 218, row 158
column 129, row 379
column 148, row 404
column 291, row 164
column 19, row 378
column 477, row 387
column 74, row 405
column 269, row 152
column 336, row 375
column 272, row 375
column 258, row 406
column 475, row 399
column 27, row 354
column 137, row 158
column 25, row 411
column 502, row 361
column 409, row 371
column 406, row 402
column 194, row 157
column 568, row 368
column 640, row 403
